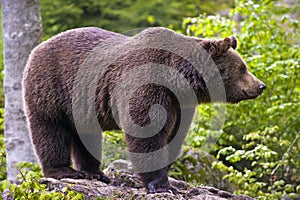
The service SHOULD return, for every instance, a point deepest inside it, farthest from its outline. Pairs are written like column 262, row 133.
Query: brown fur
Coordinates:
column 48, row 83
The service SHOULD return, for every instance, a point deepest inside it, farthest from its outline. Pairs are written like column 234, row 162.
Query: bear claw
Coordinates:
column 67, row 172
column 98, row 176
column 169, row 189
column 157, row 187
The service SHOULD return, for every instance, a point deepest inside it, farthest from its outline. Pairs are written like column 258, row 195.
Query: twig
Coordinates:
column 283, row 158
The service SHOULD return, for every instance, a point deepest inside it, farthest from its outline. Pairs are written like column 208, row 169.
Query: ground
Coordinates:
column 127, row 185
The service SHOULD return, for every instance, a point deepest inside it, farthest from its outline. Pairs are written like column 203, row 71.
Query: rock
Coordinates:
column 94, row 189
column 127, row 185
column 194, row 165
column 5, row 195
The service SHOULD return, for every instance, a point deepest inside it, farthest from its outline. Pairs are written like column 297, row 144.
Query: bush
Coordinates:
column 30, row 188
column 121, row 15
column 259, row 147
column 2, row 148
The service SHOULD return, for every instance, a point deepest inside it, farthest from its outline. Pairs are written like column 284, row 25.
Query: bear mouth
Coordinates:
column 250, row 96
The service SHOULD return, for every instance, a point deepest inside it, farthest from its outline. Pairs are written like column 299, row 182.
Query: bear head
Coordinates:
column 239, row 83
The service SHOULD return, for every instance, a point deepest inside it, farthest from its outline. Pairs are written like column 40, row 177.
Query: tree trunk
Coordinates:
column 22, row 30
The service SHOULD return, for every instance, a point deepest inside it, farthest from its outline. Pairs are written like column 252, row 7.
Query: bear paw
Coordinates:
column 156, row 187
column 63, row 172
column 68, row 172
column 96, row 176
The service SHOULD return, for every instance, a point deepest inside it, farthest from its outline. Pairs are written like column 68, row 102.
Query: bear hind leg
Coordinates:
column 85, row 162
column 52, row 144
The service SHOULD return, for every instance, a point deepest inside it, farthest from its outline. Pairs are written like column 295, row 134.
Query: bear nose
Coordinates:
column 262, row 86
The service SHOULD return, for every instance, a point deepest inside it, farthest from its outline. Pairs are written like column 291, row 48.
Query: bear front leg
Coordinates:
column 159, row 183
column 149, row 157
column 148, row 125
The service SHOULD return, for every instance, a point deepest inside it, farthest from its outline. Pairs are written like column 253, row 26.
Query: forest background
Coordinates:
column 257, row 151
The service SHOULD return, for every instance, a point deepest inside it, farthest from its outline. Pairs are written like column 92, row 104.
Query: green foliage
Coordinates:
column 30, row 188
column 120, row 15
column 2, row 157
column 2, row 148
column 113, row 147
column 194, row 166
column 259, row 147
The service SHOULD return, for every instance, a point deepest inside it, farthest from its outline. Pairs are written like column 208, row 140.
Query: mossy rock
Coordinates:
column 195, row 166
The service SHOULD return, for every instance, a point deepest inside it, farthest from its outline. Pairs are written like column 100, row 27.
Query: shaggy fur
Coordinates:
column 49, row 80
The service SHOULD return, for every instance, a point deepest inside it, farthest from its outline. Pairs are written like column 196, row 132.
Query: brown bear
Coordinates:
column 88, row 80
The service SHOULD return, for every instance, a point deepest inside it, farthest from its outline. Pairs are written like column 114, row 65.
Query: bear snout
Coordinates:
column 262, row 86
column 254, row 92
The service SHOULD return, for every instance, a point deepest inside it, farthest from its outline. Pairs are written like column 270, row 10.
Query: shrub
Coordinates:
column 259, row 147
column 30, row 188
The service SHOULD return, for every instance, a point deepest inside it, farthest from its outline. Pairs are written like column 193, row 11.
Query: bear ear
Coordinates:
column 226, row 43
column 233, row 41
column 218, row 47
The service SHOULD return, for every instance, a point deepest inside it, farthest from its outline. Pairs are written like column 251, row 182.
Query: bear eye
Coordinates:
column 243, row 70
column 222, row 71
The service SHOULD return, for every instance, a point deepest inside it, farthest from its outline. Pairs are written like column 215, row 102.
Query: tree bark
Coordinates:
column 22, row 30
